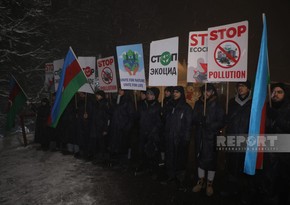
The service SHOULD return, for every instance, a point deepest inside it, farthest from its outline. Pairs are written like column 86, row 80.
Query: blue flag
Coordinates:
column 258, row 105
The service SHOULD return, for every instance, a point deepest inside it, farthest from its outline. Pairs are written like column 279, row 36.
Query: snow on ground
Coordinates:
column 29, row 176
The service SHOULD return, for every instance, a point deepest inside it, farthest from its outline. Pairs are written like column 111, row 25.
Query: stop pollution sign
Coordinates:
column 107, row 74
column 228, row 52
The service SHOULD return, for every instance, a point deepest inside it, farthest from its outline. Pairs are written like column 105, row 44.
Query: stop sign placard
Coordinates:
column 228, row 52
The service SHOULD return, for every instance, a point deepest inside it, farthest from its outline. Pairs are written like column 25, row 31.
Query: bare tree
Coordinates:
column 24, row 39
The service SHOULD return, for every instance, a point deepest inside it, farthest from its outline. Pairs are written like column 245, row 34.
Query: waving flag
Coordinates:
column 258, row 110
column 16, row 100
column 72, row 78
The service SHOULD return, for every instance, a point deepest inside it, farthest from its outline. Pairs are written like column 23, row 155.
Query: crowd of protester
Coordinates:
column 113, row 129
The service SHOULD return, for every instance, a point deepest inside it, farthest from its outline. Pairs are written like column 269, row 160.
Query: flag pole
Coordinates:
column 204, row 101
column 135, row 99
column 227, row 98
column 269, row 81
column 76, row 102
column 162, row 95
column 19, row 86
column 86, row 99
column 110, row 98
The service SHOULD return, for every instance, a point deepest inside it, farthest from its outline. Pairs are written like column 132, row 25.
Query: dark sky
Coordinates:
column 94, row 27
column 145, row 21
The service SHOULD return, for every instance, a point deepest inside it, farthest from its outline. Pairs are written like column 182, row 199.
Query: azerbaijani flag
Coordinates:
column 16, row 100
column 72, row 78
column 258, row 110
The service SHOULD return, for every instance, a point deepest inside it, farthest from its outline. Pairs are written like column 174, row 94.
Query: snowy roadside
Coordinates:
column 31, row 176
column 34, row 177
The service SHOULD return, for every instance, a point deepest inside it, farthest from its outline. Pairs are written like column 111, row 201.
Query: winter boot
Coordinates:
column 209, row 189
column 199, row 185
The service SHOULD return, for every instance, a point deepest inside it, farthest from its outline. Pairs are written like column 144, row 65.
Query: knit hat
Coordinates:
column 101, row 93
column 280, row 85
column 246, row 83
column 169, row 88
column 153, row 91
column 179, row 89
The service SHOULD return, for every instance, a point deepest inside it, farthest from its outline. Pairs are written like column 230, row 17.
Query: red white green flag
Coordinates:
column 72, row 78
column 16, row 101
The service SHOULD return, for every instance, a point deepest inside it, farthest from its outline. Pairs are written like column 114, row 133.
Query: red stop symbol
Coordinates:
column 88, row 71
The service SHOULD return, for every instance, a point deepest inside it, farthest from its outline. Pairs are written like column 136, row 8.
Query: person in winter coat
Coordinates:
column 67, row 127
column 207, row 128
column 149, row 130
column 123, row 113
column 278, row 114
column 84, row 118
column 166, row 107
column 55, row 134
column 177, row 136
column 41, row 127
column 237, row 124
column 134, row 154
column 167, row 101
column 142, row 98
column 277, row 165
column 99, row 131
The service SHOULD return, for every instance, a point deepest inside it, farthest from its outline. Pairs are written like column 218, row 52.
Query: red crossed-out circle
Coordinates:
column 107, row 75
column 88, row 71
column 227, row 54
